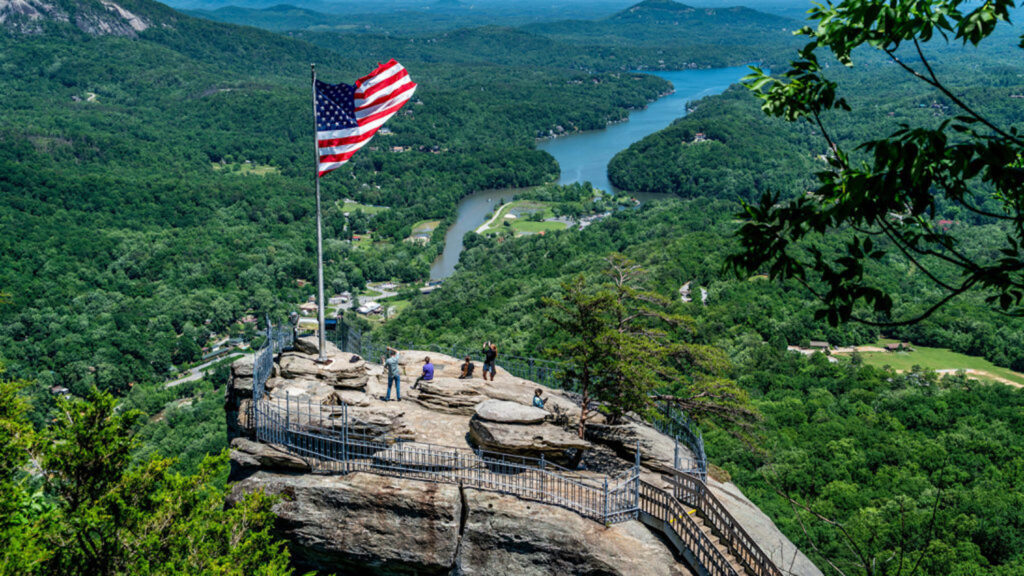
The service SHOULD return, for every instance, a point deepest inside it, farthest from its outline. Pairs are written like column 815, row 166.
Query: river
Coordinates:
column 584, row 157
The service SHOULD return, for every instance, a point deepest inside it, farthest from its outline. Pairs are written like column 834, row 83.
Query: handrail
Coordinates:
column 692, row 491
column 323, row 436
column 697, row 546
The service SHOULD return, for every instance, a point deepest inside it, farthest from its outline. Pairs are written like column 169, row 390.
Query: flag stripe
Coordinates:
column 365, row 93
column 375, row 98
column 380, row 97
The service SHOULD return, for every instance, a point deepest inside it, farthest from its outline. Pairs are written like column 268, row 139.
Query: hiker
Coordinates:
column 490, row 353
column 427, row 375
column 391, row 363
column 467, row 369
column 537, row 400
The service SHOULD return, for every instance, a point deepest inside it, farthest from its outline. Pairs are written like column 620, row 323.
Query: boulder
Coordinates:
column 339, row 372
column 242, row 386
column 505, row 535
column 347, row 397
column 509, row 412
column 451, row 395
column 311, row 345
column 243, row 366
column 363, row 523
column 411, row 364
column 248, row 454
column 657, row 451
column 524, row 439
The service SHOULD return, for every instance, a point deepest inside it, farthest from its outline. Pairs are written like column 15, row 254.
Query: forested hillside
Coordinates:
column 728, row 149
column 156, row 186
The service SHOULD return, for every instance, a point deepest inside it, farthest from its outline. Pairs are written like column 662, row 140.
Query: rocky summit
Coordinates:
column 368, row 523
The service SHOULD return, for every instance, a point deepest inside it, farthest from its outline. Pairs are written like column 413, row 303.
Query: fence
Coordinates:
column 329, row 440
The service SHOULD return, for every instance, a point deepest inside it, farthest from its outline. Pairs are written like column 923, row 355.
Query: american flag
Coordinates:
column 348, row 116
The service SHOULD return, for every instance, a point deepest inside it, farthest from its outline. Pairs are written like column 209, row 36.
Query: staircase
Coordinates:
column 700, row 528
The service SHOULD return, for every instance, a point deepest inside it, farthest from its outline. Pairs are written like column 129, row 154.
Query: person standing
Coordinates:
column 490, row 353
column 394, row 375
column 427, row 375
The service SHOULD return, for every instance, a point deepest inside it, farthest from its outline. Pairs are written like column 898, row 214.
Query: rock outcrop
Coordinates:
column 368, row 524
column 379, row 524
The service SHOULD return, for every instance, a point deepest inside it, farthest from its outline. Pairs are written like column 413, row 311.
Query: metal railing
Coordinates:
column 692, row 491
column 332, row 440
column 674, row 520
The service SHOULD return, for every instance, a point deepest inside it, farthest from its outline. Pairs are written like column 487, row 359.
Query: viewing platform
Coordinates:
column 288, row 414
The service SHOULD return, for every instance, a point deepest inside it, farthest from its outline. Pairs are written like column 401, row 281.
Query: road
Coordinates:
column 197, row 372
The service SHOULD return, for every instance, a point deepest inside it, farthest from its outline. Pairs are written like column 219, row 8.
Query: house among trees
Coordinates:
column 369, row 308
column 898, row 347
column 821, row 345
column 308, row 308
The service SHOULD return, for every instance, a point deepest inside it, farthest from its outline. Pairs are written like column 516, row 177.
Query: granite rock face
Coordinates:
column 363, row 523
column 657, row 451
column 367, row 524
column 506, row 535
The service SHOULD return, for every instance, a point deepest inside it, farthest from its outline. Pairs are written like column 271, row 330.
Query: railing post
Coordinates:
column 675, row 454
column 606, row 501
column 287, row 410
column 542, row 475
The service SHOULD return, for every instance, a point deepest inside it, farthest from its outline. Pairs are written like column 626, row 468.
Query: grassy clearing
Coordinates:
column 528, row 227
column 351, row 206
column 521, row 209
column 422, row 230
column 941, row 359
column 245, row 169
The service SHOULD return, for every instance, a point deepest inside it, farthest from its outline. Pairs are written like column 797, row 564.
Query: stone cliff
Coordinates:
column 388, row 525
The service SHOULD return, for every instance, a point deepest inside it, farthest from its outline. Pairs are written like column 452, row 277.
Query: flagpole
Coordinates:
column 322, row 358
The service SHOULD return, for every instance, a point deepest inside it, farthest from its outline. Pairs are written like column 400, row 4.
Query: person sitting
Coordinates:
column 427, row 375
column 467, row 369
column 537, row 400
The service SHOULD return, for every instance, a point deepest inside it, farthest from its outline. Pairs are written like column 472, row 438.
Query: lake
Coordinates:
column 584, row 156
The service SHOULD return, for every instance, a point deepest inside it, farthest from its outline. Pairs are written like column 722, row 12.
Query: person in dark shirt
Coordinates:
column 490, row 353
column 427, row 375
column 467, row 369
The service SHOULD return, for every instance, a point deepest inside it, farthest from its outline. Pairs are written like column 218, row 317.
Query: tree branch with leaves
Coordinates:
column 886, row 195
